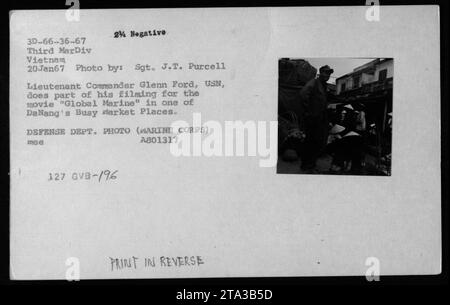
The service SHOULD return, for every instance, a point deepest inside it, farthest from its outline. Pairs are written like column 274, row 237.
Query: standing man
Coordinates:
column 314, row 98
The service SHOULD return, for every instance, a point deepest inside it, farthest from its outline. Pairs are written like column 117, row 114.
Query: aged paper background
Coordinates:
column 242, row 219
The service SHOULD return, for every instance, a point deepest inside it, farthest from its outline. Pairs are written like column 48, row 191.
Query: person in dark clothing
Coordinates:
column 314, row 99
column 350, row 119
column 348, row 148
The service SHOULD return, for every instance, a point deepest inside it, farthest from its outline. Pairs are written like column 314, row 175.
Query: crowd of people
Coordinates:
column 346, row 139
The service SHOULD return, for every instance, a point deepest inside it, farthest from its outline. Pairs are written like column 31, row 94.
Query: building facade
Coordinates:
column 374, row 76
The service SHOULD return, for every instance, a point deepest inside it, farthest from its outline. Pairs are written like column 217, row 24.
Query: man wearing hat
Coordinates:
column 314, row 99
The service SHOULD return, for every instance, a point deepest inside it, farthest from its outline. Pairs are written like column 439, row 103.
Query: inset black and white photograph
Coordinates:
column 335, row 116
